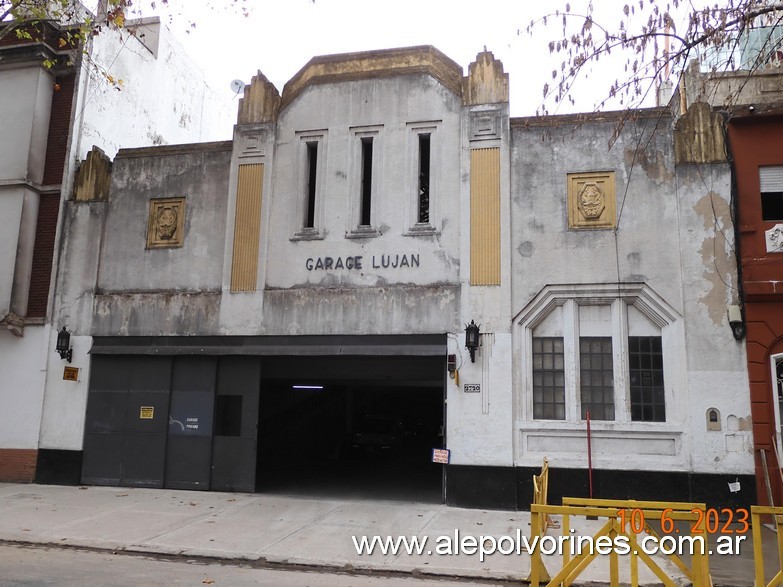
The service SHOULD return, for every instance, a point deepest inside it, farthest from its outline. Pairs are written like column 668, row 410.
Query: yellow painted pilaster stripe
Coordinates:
column 485, row 216
column 247, row 228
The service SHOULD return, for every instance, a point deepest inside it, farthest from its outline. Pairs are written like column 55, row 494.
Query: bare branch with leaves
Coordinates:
column 656, row 39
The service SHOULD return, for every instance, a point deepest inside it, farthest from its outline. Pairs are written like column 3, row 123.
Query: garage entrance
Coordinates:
column 352, row 426
column 316, row 415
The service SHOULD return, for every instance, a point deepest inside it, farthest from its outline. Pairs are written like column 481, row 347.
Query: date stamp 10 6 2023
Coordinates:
column 708, row 521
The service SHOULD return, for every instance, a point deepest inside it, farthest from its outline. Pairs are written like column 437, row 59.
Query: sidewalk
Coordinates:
column 273, row 528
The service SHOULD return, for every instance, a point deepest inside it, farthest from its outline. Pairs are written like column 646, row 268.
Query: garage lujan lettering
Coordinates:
column 396, row 261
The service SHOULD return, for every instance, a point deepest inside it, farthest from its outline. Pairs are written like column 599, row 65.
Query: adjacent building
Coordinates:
column 64, row 111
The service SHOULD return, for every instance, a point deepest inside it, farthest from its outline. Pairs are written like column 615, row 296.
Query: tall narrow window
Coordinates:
column 312, row 170
column 364, row 216
column 645, row 361
column 424, row 179
column 596, row 377
column 548, row 378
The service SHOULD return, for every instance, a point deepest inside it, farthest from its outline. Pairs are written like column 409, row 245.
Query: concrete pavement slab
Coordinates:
column 275, row 528
column 329, row 540
column 246, row 531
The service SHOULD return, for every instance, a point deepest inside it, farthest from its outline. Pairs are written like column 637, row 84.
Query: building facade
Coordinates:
column 292, row 304
column 129, row 89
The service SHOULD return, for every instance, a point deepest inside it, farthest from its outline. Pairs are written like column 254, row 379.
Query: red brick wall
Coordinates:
column 43, row 254
column 59, row 123
column 56, row 152
column 757, row 141
column 17, row 465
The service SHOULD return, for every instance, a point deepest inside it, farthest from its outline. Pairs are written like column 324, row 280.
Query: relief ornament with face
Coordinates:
column 591, row 202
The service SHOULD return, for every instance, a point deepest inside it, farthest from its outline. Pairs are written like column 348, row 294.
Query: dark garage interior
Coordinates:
column 348, row 426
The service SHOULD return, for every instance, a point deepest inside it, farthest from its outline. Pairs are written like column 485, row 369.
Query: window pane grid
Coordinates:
column 548, row 379
column 645, row 359
column 597, row 377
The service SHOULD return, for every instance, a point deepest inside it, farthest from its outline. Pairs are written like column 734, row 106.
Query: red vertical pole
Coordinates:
column 589, row 455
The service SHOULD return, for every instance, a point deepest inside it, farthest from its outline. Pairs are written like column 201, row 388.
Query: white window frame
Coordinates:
column 618, row 296
column 355, row 229
column 300, row 231
column 412, row 225
column 773, row 364
column 770, row 182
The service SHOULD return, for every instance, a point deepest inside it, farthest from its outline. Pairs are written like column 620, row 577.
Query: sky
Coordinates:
column 280, row 36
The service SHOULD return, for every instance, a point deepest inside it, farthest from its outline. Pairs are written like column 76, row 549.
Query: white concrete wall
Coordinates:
column 11, row 206
column 479, row 427
column 62, row 421
column 675, row 238
column 716, row 362
column 25, row 122
column 153, row 100
column 21, row 392
column 388, row 107
column 417, row 296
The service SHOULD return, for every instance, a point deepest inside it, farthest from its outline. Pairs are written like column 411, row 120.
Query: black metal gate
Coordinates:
column 175, row 422
column 125, row 428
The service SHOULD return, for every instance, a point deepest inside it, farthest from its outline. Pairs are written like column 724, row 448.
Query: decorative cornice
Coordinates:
column 374, row 64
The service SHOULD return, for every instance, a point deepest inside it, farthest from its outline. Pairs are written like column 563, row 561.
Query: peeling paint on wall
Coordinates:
column 156, row 314
column 719, row 264
column 652, row 162
column 736, row 424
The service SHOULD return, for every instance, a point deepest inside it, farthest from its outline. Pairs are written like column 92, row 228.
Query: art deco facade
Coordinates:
column 291, row 304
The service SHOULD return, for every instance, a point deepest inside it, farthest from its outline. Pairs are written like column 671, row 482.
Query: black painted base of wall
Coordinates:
column 59, row 467
column 512, row 487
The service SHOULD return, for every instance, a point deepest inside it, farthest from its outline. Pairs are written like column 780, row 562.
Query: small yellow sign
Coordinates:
column 71, row 374
column 147, row 413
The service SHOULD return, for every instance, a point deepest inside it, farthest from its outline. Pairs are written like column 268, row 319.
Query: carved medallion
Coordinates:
column 774, row 238
column 166, row 224
column 591, row 200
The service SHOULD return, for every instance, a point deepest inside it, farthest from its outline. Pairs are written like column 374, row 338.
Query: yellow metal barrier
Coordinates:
column 618, row 514
column 540, row 493
column 661, row 511
column 756, row 512
column 545, row 521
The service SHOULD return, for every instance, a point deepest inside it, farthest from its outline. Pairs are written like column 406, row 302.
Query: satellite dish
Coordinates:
column 237, row 86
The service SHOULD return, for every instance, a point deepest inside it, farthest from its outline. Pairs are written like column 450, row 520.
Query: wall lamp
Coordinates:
column 472, row 339
column 64, row 345
column 736, row 323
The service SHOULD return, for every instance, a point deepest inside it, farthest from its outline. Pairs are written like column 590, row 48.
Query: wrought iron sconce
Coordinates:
column 64, row 345
column 472, row 339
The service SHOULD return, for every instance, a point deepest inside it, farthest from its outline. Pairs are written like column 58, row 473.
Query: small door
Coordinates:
column 125, row 426
column 189, row 449
column 236, row 417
